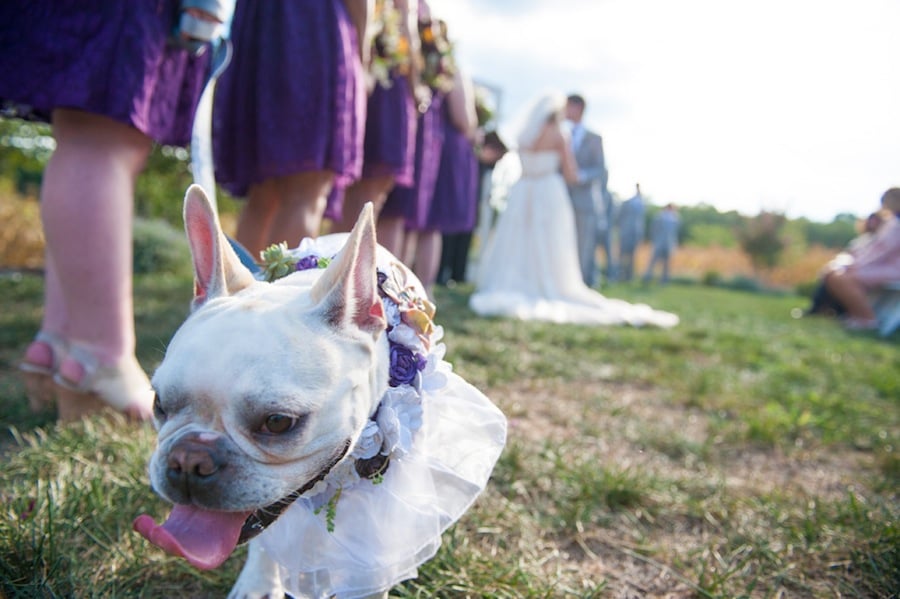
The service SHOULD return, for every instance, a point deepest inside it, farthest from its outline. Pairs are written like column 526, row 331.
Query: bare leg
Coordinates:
column 40, row 353
column 256, row 218
column 43, row 355
column 847, row 290
column 304, row 197
column 87, row 208
column 285, row 208
column 428, row 259
column 392, row 233
column 410, row 248
column 372, row 189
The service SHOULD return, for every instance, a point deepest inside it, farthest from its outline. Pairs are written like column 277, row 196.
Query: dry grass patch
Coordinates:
column 677, row 511
column 21, row 236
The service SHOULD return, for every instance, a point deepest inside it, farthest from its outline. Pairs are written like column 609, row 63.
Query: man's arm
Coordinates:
column 595, row 169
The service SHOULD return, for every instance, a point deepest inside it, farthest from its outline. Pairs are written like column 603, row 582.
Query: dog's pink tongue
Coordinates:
column 203, row 537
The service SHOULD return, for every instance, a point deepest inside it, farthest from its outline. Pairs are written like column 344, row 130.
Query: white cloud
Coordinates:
column 777, row 104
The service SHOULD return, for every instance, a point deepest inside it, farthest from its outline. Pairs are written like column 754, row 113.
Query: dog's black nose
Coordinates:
column 192, row 465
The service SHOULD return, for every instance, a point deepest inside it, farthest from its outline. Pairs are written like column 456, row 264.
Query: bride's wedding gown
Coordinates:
column 529, row 266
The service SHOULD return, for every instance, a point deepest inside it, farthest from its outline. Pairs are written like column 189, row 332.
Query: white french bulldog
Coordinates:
column 279, row 399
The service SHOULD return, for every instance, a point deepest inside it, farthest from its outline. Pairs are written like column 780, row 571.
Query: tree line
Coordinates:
column 25, row 148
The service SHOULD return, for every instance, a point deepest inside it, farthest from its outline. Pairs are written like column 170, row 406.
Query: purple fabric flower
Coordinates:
column 404, row 365
column 307, row 263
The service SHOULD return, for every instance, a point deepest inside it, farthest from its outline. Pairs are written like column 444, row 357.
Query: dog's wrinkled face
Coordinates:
column 253, row 390
column 263, row 389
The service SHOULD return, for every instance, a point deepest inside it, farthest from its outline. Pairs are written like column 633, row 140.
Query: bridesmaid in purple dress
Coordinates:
column 455, row 206
column 111, row 78
column 391, row 116
column 406, row 207
column 289, row 113
column 455, row 203
column 410, row 204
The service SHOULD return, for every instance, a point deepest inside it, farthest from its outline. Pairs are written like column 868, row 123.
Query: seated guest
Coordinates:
column 869, row 269
column 822, row 302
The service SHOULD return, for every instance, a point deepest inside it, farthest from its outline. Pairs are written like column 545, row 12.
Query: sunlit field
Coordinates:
column 743, row 453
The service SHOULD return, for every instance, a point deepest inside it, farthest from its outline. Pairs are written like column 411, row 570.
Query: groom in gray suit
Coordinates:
column 587, row 193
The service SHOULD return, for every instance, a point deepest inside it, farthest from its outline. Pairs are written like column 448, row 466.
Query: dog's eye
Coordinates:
column 158, row 412
column 278, row 424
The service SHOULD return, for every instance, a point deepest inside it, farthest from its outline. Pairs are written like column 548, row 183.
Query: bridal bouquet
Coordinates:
column 390, row 54
column 484, row 107
column 438, row 65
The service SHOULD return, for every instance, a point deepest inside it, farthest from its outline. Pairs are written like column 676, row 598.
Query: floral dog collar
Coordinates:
column 415, row 368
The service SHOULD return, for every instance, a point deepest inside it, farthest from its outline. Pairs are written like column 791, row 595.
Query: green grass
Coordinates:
column 743, row 453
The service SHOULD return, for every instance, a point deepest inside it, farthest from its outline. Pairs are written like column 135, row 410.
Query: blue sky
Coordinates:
column 788, row 105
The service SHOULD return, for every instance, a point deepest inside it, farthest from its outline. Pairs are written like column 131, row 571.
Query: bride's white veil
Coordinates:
column 531, row 122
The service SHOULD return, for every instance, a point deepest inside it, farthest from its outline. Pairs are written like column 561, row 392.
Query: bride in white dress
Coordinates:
column 529, row 266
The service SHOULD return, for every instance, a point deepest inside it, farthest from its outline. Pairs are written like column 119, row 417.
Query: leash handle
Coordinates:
column 202, row 165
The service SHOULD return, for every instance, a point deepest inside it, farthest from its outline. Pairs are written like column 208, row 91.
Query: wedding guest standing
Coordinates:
column 631, row 232
column 412, row 203
column 455, row 202
column 605, row 233
column 587, row 190
column 664, row 237
column 289, row 113
column 455, row 247
column 111, row 78
column 389, row 148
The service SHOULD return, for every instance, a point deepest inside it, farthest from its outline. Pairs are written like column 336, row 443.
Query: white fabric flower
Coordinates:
column 405, row 335
column 317, row 489
column 391, row 313
column 434, row 376
column 343, row 476
column 369, row 443
column 306, row 248
column 399, row 416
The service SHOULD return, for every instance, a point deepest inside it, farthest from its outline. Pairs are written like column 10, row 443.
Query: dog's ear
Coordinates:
column 347, row 291
column 217, row 269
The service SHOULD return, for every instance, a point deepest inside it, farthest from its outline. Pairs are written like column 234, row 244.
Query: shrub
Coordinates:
column 21, row 236
column 712, row 278
column 806, row 289
column 159, row 247
column 742, row 283
column 762, row 238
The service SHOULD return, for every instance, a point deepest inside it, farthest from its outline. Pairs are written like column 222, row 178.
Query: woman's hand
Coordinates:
column 201, row 22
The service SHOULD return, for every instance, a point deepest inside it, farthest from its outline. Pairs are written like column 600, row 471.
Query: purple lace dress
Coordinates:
column 293, row 99
column 413, row 203
column 107, row 58
column 455, row 203
column 389, row 147
column 391, row 132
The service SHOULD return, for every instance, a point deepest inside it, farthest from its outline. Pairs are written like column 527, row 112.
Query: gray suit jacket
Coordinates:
column 664, row 231
column 587, row 194
column 631, row 223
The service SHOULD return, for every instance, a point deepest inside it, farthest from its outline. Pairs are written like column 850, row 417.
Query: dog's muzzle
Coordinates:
column 259, row 520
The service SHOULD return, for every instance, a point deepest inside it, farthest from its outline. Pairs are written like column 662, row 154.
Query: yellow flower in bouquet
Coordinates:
column 438, row 64
column 390, row 54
